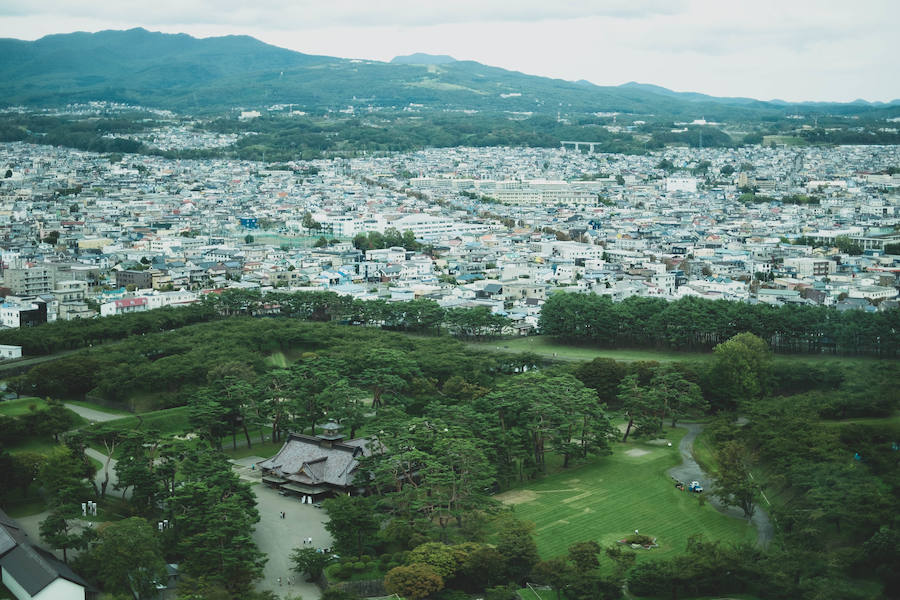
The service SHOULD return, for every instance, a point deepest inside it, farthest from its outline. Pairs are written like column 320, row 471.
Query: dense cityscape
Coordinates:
column 503, row 227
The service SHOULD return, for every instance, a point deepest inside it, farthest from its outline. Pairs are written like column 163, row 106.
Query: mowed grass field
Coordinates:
column 614, row 495
column 549, row 347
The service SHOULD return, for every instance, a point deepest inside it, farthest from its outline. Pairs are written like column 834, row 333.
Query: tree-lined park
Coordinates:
column 499, row 468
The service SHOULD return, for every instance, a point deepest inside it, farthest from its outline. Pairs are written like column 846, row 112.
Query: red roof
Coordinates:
column 129, row 302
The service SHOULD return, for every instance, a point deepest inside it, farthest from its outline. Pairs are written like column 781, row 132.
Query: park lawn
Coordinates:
column 612, row 496
column 264, row 450
column 99, row 407
column 167, row 421
column 21, row 406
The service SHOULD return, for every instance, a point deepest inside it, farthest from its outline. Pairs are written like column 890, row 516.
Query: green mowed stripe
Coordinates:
column 613, row 496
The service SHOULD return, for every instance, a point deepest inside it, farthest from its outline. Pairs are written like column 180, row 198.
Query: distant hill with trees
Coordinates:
column 177, row 71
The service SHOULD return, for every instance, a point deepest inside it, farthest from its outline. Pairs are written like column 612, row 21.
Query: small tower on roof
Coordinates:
column 331, row 431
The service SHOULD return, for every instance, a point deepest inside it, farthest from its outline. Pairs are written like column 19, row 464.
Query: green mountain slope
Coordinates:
column 214, row 74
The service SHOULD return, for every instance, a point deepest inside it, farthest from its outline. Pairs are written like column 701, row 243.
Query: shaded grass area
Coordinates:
column 549, row 347
column 143, row 401
column 40, row 445
column 21, row 406
column 167, row 421
column 893, row 420
column 24, row 505
column 264, row 450
column 704, row 454
column 610, row 497
column 539, row 594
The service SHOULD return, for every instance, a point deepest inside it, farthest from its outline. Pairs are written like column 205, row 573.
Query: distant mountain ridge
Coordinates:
column 420, row 58
column 183, row 73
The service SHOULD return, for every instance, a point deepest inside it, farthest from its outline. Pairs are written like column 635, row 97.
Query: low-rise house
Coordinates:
column 31, row 573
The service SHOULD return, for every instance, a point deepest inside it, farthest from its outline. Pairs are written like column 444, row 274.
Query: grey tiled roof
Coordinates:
column 32, row 568
column 310, row 460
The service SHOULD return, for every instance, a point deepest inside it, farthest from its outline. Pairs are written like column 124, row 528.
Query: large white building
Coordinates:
column 539, row 192
column 430, row 227
column 681, row 184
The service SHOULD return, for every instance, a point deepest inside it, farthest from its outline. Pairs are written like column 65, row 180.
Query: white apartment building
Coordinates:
column 872, row 292
column 8, row 352
column 811, row 267
column 429, row 227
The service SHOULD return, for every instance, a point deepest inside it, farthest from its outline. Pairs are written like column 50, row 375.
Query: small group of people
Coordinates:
column 282, row 515
column 307, row 540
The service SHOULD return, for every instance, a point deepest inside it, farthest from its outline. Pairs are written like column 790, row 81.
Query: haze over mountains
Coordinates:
column 179, row 72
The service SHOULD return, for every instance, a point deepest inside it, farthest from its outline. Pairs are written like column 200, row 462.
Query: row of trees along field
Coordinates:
column 700, row 324
column 421, row 316
column 685, row 324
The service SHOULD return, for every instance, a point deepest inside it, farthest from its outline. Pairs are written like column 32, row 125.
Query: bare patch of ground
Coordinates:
column 636, row 452
column 516, row 496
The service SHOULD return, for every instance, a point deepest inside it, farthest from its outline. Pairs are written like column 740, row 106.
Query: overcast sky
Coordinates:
column 788, row 49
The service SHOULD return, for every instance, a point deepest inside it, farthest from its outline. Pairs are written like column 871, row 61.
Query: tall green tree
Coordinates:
column 676, row 395
column 734, row 485
column 384, row 371
column 516, row 544
column 137, row 468
column 128, row 558
column 414, row 582
column 59, row 530
column 214, row 514
column 352, row 523
column 740, row 371
column 642, row 407
column 310, row 561
column 62, row 477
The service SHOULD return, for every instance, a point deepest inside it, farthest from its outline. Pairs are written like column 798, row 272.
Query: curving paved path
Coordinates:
column 689, row 471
